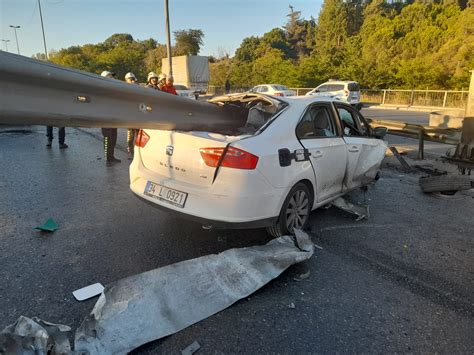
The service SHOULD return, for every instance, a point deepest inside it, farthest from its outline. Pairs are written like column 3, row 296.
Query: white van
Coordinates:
column 346, row 91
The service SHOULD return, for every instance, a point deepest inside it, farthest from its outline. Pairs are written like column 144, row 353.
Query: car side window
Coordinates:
column 263, row 89
column 323, row 88
column 316, row 123
column 336, row 87
column 349, row 122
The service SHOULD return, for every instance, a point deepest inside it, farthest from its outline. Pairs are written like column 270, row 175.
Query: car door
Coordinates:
column 318, row 132
column 364, row 153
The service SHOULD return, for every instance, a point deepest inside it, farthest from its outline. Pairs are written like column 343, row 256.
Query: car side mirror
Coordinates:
column 379, row 132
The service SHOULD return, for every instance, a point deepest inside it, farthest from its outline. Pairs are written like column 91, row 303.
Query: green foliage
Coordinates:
column 188, row 42
column 421, row 44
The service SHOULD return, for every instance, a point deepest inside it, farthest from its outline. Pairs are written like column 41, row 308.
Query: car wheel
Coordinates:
column 295, row 211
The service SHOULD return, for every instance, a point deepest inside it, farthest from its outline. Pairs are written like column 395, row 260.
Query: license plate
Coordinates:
column 163, row 193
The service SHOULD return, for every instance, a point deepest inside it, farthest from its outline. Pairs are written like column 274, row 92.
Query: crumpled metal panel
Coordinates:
column 34, row 336
column 160, row 302
column 36, row 92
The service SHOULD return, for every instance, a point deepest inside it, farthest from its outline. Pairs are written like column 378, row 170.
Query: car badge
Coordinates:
column 169, row 150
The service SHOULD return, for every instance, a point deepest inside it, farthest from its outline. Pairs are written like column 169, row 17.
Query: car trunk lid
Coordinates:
column 176, row 155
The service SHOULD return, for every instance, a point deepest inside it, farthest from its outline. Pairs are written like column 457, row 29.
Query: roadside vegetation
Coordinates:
column 415, row 45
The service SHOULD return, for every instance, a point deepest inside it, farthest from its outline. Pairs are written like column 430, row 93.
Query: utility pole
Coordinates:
column 14, row 29
column 42, row 28
column 6, row 43
column 168, row 39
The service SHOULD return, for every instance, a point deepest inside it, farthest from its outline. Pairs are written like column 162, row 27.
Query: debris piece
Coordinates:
column 292, row 305
column 88, row 292
column 303, row 276
column 360, row 211
column 402, row 161
column 34, row 336
column 49, row 226
column 191, row 349
column 157, row 303
column 317, row 246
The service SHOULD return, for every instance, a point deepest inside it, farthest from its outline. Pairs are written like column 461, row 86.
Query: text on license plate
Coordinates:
column 163, row 193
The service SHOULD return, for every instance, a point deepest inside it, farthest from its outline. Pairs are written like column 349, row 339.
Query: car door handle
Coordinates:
column 353, row 149
column 317, row 154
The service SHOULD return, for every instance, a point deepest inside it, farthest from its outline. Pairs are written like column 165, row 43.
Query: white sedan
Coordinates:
column 273, row 89
column 291, row 156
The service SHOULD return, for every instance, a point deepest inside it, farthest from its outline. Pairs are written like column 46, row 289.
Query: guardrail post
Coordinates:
column 421, row 143
column 383, row 100
column 445, row 97
column 411, row 98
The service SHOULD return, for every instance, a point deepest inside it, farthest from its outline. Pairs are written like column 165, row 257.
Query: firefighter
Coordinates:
column 162, row 81
column 169, row 88
column 152, row 81
column 131, row 132
column 110, row 134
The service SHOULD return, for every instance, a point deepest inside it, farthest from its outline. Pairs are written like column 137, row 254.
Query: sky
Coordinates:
column 225, row 23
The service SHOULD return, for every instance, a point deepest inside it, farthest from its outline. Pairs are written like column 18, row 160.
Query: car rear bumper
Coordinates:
column 235, row 199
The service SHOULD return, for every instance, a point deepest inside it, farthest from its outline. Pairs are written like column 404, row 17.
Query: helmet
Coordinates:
column 162, row 76
column 151, row 74
column 107, row 73
column 130, row 75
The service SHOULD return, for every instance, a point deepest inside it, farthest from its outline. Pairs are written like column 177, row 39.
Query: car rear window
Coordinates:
column 280, row 87
column 180, row 87
column 354, row 87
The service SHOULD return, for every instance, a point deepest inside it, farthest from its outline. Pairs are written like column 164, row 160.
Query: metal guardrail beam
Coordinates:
column 40, row 93
column 434, row 134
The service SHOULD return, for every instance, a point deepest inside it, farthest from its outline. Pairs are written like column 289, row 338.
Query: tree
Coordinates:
column 188, row 42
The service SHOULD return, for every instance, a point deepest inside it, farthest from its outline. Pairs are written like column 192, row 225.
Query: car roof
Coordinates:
column 306, row 100
column 338, row 82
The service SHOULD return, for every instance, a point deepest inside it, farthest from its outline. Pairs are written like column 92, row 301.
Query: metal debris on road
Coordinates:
column 302, row 276
column 191, row 349
column 148, row 306
column 88, row 292
column 360, row 211
column 402, row 161
column 49, row 226
column 292, row 305
column 35, row 336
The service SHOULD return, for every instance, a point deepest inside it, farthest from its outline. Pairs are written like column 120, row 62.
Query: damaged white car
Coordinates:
column 289, row 157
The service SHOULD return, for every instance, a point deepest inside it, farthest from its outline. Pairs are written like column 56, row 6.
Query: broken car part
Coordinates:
column 145, row 307
column 445, row 183
column 360, row 211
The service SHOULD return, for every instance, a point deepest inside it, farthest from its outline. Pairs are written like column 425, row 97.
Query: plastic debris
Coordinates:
column 303, row 276
column 49, row 226
column 191, row 349
column 292, row 305
column 88, row 292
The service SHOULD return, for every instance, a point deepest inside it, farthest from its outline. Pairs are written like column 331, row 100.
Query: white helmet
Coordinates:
column 106, row 73
column 162, row 76
column 130, row 75
column 151, row 74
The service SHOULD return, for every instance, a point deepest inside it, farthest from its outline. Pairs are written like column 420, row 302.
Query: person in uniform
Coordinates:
column 110, row 134
column 131, row 132
column 152, row 81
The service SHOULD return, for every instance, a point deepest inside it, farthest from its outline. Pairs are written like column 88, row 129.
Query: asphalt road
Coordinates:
column 403, row 281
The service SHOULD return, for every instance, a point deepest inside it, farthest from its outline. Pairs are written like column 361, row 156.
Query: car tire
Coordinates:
column 299, row 197
column 445, row 183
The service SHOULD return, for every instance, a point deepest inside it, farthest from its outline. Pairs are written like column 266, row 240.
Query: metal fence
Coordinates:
column 432, row 98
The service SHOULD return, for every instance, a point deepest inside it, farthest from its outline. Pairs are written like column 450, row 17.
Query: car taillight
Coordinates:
column 279, row 94
column 142, row 139
column 346, row 92
column 234, row 158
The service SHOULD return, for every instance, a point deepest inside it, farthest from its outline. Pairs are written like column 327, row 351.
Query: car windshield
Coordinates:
column 180, row 87
column 279, row 87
